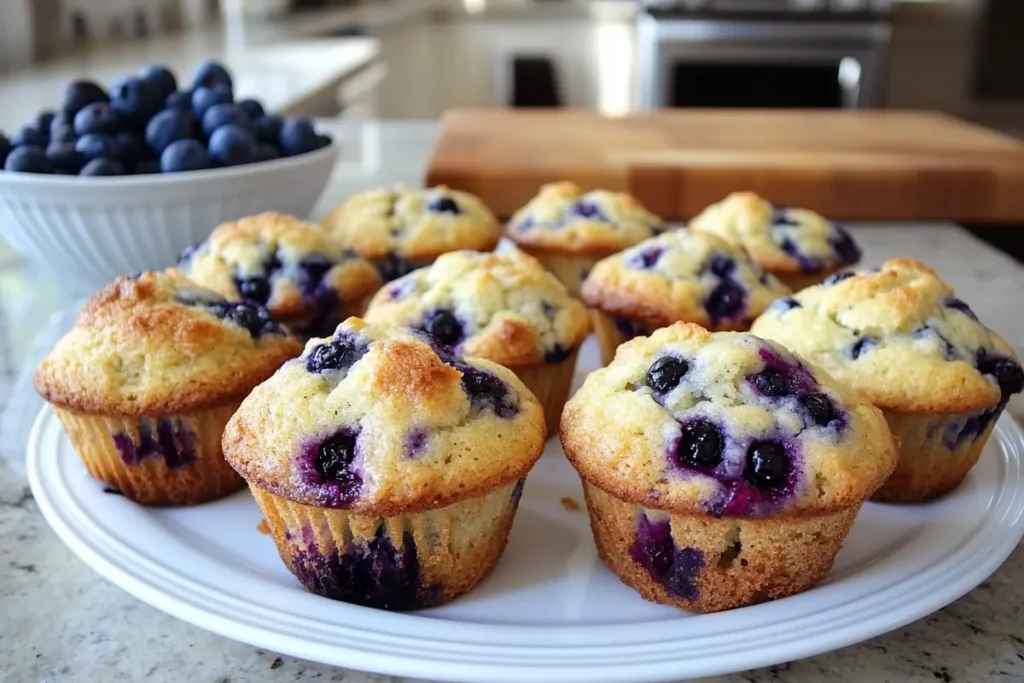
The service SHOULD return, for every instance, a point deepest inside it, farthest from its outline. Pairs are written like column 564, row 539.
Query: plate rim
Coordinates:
column 1002, row 533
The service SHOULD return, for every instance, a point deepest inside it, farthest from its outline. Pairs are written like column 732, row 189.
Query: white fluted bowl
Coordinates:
column 90, row 230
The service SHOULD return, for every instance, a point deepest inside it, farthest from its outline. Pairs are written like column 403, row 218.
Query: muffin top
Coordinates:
column 900, row 336
column 379, row 421
column 725, row 423
column 781, row 239
column 159, row 344
column 564, row 218
column 413, row 225
column 502, row 307
column 682, row 275
column 287, row 264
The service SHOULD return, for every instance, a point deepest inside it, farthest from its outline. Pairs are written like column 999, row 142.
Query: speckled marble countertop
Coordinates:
column 59, row 621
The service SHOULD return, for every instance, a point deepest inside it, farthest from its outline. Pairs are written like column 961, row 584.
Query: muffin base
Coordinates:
column 609, row 337
column 936, row 453
column 550, row 383
column 397, row 563
column 570, row 268
column 714, row 564
column 165, row 460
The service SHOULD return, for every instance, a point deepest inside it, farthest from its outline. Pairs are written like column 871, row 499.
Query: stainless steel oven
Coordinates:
column 784, row 59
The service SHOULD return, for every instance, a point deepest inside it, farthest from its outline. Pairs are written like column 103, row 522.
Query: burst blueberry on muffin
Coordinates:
column 798, row 246
column 502, row 307
column 400, row 230
column 388, row 468
column 148, row 377
column 569, row 230
column 681, row 276
column 304, row 278
column 901, row 337
column 720, row 470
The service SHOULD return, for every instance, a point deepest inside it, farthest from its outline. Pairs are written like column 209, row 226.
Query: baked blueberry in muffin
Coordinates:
column 569, row 230
column 400, row 230
column 374, row 460
column 900, row 336
column 719, row 469
column 503, row 307
column 679, row 276
column 292, row 267
column 798, row 246
column 148, row 377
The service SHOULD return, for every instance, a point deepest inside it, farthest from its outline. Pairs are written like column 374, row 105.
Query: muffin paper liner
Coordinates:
column 798, row 281
column 610, row 337
column 164, row 460
column 936, row 452
column 397, row 563
column 707, row 564
column 570, row 269
column 550, row 383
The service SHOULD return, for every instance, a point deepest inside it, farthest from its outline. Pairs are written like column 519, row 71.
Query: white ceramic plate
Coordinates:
column 550, row 611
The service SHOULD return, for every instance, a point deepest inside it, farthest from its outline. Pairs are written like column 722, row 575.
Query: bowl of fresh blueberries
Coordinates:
column 123, row 179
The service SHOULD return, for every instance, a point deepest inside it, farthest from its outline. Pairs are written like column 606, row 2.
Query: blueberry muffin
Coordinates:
column 569, row 230
column 306, row 280
column 400, row 230
column 502, row 307
column 148, row 377
column 388, row 469
column 719, row 469
column 798, row 246
column 900, row 336
column 679, row 276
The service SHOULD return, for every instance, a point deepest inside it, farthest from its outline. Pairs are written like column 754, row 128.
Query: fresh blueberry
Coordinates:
column 721, row 265
column 809, row 264
column 98, row 167
column 132, row 148
column 486, row 391
column 298, row 137
column 392, row 267
column 861, row 346
column 147, row 166
column 204, row 98
column 265, row 152
column 211, row 74
column 252, row 109
column 665, row 373
column 647, row 258
column 232, row 145
column 786, row 303
column 334, row 457
column 78, row 94
column 28, row 159
column 725, row 301
column 443, row 204
column 844, row 245
column 184, row 155
column 45, row 119
column 30, row 135
column 64, row 158
column 780, row 216
column 63, row 133
column 180, row 100
column 589, row 210
column 631, row 329
column 1006, row 372
column 771, row 383
column 960, row 305
column 166, row 127
column 338, row 355
column 673, row 567
column 700, row 445
column 444, row 327
column 98, row 117
column 268, row 129
column 838, row 277
column 5, row 149
column 254, row 288
column 820, row 407
column 94, row 146
column 312, row 270
column 137, row 99
column 767, row 465
column 59, row 120
column 161, row 77
column 222, row 114
column 245, row 316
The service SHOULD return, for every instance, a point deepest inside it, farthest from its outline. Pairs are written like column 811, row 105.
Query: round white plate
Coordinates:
column 550, row 611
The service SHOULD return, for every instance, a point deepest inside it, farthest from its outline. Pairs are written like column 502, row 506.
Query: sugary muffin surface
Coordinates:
column 287, row 264
column 682, row 275
column 503, row 307
column 779, row 238
column 724, row 423
column 402, row 225
column 381, row 422
column 564, row 218
column 901, row 336
column 161, row 344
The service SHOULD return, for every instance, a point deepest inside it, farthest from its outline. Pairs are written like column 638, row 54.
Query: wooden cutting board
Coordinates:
column 865, row 165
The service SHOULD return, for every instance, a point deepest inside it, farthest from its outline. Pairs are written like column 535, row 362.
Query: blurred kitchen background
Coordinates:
column 402, row 59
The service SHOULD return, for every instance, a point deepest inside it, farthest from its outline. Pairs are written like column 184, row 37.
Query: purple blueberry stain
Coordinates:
column 415, row 441
column 588, row 210
column 836, row 278
column 784, row 304
column 168, row 439
column 960, row 305
column 645, row 258
column 525, row 224
column 949, row 350
column 328, row 468
column 862, row 346
column 675, row 568
column 808, row 264
column 400, row 290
